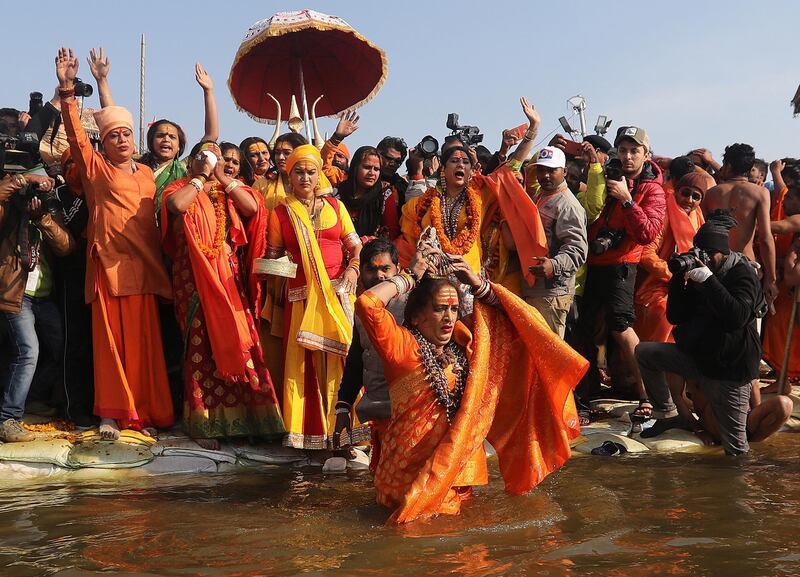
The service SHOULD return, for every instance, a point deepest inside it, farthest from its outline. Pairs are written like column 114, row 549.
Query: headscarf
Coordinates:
column 112, row 117
column 305, row 152
column 713, row 235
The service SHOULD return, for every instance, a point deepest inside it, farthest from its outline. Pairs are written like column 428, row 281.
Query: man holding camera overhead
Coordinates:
column 30, row 235
column 631, row 218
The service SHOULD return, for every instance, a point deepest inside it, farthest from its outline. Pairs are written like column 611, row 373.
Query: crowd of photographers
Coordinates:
column 658, row 270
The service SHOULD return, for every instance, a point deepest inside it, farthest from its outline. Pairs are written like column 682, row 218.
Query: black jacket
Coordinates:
column 716, row 322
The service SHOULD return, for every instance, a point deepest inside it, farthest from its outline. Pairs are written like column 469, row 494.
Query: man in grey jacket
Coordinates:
column 564, row 221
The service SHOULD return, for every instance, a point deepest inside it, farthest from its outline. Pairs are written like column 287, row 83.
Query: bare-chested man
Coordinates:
column 750, row 205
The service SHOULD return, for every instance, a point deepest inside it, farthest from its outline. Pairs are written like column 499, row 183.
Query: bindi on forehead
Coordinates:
column 447, row 296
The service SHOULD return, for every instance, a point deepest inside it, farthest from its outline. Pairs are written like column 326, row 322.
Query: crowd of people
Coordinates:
column 318, row 298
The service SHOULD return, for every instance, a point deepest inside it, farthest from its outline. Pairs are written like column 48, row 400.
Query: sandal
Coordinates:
column 643, row 412
column 609, row 449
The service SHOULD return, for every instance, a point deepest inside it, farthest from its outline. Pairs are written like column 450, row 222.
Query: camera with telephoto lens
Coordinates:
column 680, row 264
column 469, row 135
column 607, row 239
column 82, row 89
column 428, row 147
column 614, row 169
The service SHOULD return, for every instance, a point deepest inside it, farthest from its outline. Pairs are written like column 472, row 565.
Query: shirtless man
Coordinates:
column 750, row 205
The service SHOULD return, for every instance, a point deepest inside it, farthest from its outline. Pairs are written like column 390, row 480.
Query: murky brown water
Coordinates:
column 632, row 516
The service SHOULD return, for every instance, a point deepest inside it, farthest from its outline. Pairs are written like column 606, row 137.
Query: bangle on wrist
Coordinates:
column 197, row 183
column 232, row 184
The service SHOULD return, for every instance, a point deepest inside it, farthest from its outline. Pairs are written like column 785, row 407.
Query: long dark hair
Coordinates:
column 369, row 205
column 246, row 173
column 422, row 295
column 148, row 158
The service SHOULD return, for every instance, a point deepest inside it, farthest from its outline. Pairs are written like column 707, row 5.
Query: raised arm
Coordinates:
column 66, row 72
column 767, row 242
column 100, row 65
column 525, row 147
column 209, row 101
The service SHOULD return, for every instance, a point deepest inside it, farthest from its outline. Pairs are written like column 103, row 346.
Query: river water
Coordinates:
column 630, row 516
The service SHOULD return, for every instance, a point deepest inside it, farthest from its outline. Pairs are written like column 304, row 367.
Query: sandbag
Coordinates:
column 109, row 455
column 53, row 451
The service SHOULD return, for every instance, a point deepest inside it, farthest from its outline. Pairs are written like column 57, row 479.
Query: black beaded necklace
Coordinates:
column 434, row 366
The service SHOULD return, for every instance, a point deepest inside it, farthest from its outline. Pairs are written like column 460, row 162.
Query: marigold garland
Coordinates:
column 217, row 195
column 466, row 237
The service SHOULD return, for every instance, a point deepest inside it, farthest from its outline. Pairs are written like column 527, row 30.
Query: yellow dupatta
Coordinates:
column 325, row 326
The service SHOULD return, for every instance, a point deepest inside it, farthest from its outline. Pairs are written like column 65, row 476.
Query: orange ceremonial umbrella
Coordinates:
column 309, row 55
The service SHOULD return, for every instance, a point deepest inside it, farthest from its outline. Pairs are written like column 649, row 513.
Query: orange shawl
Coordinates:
column 521, row 214
column 522, row 406
column 223, row 309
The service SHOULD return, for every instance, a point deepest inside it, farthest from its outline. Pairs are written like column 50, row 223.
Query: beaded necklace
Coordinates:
column 434, row 366
column 451, row 209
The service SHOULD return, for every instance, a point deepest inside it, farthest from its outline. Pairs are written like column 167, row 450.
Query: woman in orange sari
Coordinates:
column 207, row 219
column 452, row 386
column 682, row 220
column 316, row 231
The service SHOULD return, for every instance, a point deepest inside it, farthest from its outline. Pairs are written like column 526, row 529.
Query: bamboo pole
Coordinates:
column 141, row 96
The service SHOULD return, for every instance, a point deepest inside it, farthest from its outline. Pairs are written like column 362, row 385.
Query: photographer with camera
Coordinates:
column 631, row 218
column 715, row 297
column 32, row 236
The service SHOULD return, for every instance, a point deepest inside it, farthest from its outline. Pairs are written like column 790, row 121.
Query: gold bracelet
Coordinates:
column 231, row 185
column 197, row 183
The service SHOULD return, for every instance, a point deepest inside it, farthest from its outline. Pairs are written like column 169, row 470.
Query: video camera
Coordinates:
column 18, row 154
column 469, row 135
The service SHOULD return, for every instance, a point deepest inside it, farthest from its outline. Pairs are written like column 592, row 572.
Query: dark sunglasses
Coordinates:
column 689, row 193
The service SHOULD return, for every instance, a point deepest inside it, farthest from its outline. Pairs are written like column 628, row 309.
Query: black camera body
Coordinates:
column 680, row 264
column 428, row 147
column 614, row 169
column 18, row 154
column 607, row 238
column 469, row 135
column 82, row 89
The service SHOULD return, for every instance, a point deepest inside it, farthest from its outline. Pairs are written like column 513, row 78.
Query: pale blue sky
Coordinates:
column 692, row 73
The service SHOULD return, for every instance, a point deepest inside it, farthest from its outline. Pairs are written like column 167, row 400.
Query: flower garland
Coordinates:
column 217, row 195
column 466, row 237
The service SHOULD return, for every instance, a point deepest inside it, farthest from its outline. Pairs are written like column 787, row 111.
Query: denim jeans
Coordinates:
column 38, row 319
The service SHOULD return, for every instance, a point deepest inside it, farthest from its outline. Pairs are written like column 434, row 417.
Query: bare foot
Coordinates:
column 149, row 432
column 208, row 444
column 109, row 431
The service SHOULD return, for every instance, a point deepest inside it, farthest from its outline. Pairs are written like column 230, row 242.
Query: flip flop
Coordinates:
column 610, row 449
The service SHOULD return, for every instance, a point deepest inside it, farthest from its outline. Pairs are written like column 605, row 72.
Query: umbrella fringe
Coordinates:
column 246, row 46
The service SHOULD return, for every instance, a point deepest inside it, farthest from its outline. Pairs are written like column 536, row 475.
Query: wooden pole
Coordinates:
column 788, row 348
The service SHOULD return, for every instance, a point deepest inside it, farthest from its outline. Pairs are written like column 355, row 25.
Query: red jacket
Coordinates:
column 642, row 221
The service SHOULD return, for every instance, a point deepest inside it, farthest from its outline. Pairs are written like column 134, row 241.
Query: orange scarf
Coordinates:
column 683, row 226
column 223, row 309
column 521, row 214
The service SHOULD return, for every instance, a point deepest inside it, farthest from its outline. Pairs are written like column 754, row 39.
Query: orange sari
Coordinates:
column 775, row 326
column 526, row 411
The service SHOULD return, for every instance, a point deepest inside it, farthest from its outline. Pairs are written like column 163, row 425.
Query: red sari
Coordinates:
column 227, row 388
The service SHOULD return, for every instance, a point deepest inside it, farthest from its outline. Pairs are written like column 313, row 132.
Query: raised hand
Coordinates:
column 66, row 68
column 98, row 63
column 589, row 153
column 348, row 124
column 464, row 272
column 530, row 112
column 203, row 78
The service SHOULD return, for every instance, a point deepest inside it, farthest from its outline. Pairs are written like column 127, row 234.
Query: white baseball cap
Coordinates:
column 551, row 157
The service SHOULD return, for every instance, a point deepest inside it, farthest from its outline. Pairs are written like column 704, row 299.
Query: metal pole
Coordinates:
column 580, row 110
column 309, row 134
column 141, row 98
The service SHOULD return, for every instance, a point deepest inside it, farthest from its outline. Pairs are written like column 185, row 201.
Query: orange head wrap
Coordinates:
column 307, row 153
column 112, row 117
